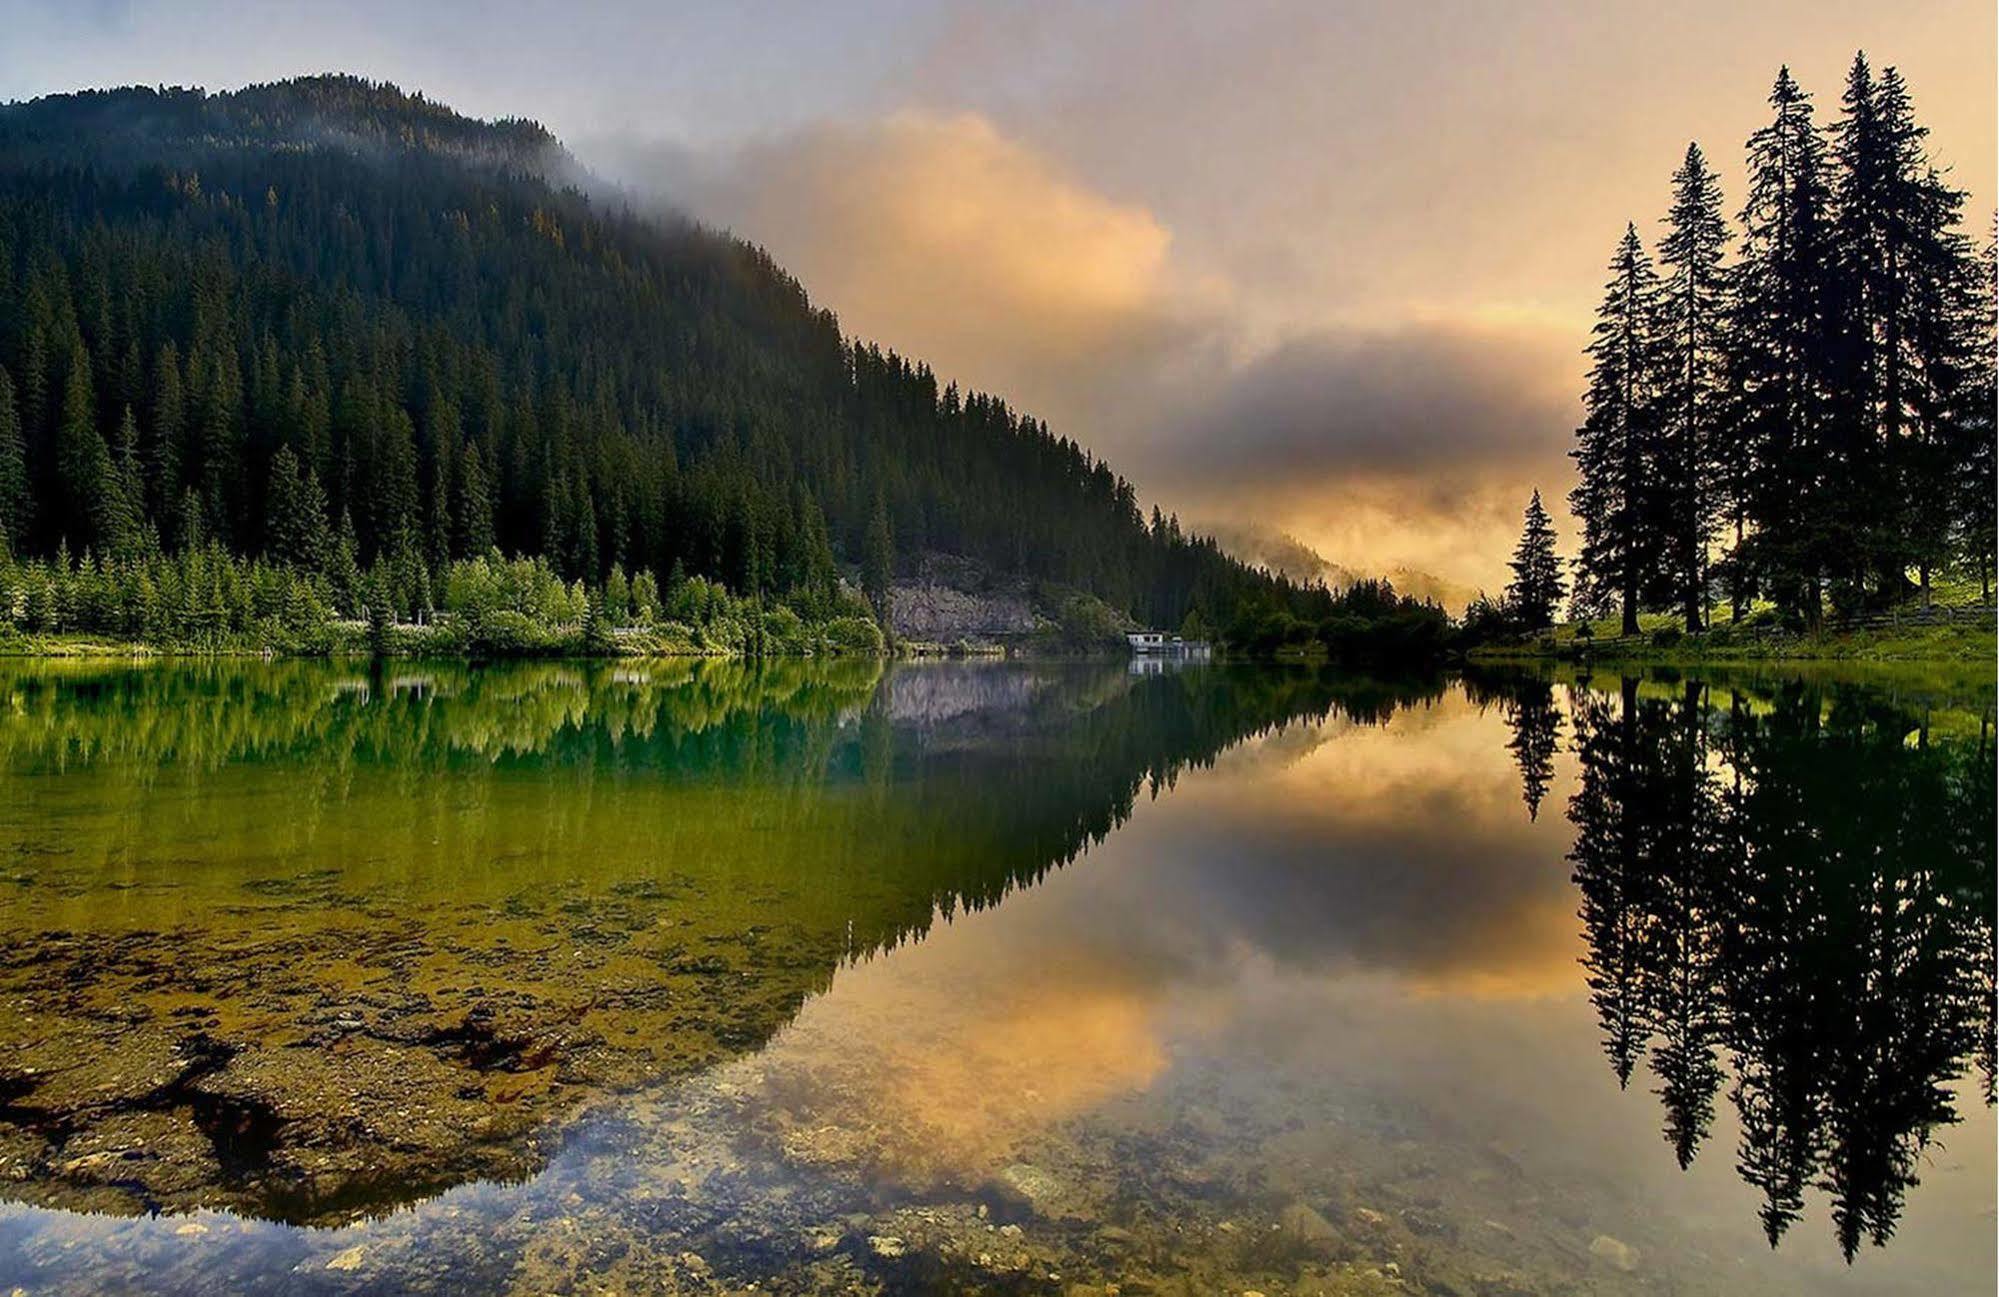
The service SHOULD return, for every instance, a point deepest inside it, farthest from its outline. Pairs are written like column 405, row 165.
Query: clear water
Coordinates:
column 553, row 978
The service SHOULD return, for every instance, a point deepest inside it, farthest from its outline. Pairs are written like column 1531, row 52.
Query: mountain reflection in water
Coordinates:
column 1324, row 1008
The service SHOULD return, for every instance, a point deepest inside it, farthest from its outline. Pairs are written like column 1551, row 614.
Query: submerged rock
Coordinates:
column 1615, row 1251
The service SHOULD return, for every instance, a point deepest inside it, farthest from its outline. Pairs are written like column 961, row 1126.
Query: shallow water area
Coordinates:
column 1015, row 977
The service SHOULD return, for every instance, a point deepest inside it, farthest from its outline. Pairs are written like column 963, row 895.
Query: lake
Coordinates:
column 693, row 977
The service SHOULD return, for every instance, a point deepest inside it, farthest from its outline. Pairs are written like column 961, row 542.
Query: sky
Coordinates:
column 1320, row 268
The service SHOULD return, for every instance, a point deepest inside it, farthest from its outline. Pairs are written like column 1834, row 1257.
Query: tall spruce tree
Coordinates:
column 1977, row 490
column 1775, row 474
column 125, row 508
column 1693, row 329
column 83, row 462
column 163, row 433
column 475, row 506
column 298, row 534
column 878, row 562
column 1614, row 445
column 1537, row 586
column 1934, row 273
column 15, row 499
column 1902, row 265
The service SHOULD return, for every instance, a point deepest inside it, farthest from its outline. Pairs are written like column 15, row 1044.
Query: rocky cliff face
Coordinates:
column 950, row 599
column 925, row 610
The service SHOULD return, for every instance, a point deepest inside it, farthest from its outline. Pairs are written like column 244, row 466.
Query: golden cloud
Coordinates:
column 1411, row 442
column 943, row 238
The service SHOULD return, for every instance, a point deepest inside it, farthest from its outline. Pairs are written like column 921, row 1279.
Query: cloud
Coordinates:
column 1408, row 400
column 941, row 237
column 1410, row 446
column 1399, row 445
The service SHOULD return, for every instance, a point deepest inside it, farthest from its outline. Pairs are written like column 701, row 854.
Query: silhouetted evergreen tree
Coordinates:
column 1693, row 317
column 1976, row 494
column 1537, row 586
column 1827, row 398
column 1615, row 445
column 1775, row 465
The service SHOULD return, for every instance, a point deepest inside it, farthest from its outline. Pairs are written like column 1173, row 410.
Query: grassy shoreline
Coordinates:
column 1936, row 642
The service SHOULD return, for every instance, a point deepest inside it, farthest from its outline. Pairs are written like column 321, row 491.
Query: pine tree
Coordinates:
column 1949, row 412
column 1911, row 312
column 15, row 499
column 164, row 431
column 1615, row 444
column 1693, row 319
column 1976, row 489
column 1780, row 353
column 475, row 506
column 618, row 596
column 83, row 461
column 1537, row 586
column 878, row 562
column 343, row 568
column 441, row 523
column 297, row 534
column 598, row 639
column 125, row 509
column 218, row 433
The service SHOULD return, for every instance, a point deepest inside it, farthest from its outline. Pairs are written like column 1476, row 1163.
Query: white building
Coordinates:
column 1155, row 643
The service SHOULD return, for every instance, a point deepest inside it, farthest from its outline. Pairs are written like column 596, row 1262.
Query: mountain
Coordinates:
column 1286, row 556
column 327, row 316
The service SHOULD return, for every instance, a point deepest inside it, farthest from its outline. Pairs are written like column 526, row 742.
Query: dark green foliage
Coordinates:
column 295, row 531
column 14, row 497
column 474, row 515
column 461, row 353
column 1366, row 624
column 878, row 562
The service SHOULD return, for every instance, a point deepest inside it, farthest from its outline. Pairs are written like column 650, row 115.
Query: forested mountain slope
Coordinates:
column 326, row 317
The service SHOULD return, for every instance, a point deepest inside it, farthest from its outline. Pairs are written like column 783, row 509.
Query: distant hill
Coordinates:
column 326, row 312
column 1287, row 556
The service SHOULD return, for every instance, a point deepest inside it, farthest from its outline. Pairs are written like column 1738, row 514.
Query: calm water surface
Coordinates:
column 834, row 978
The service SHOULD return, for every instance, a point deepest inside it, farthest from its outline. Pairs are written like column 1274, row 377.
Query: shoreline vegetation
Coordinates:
column 1940, row 634
column 205, row 602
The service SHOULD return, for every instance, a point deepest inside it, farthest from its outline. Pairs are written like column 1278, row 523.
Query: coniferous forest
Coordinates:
column 322, row 348
column 1796, row 408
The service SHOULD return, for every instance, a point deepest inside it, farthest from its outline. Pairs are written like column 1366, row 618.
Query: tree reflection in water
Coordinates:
column 1797, row 883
